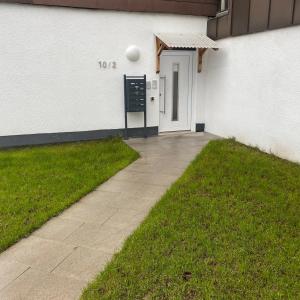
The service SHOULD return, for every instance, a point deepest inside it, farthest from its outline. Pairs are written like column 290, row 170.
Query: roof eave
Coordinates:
column 199, row 8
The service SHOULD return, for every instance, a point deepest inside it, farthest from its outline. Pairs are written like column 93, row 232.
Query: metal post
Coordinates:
column 145, row 110
column 125, row 109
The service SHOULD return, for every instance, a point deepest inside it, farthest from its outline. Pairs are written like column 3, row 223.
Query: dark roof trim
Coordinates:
column 187, row 7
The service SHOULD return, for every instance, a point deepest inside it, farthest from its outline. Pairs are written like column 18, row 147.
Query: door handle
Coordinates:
column 163, row 107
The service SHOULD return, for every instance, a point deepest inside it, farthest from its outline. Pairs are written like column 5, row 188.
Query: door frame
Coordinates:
column 191, row 89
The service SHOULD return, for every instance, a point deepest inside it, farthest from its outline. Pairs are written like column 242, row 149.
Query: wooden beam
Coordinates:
column 160, row 47
column 201, row 52
column 160, row 50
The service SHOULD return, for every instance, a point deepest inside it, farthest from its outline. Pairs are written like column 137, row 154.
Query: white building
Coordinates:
column 61, row 70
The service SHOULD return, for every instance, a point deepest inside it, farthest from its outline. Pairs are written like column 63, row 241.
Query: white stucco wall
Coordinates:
column 50, row 80
column 252, row 91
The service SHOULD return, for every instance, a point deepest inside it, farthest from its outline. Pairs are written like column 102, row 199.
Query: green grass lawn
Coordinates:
column 228, row 229
column 37, row 183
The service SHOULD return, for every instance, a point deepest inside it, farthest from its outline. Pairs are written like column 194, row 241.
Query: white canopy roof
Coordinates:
column 186, row 40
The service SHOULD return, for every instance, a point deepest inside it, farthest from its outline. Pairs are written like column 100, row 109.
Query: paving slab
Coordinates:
column 87, row 214
column 125, row 218
column 139, row 177
column 10, row 271
column 83, row 264
column 37, row 285
column 115, row 242
column 98, row 199
column 58, row 260
column 38, row 253
column 139, row 203
column 91, row 235
column 58, row 229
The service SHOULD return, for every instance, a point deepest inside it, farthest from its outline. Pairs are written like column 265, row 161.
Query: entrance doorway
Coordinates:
column 175, row 90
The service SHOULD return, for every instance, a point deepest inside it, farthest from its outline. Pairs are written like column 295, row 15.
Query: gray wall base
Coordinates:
column 64, row 137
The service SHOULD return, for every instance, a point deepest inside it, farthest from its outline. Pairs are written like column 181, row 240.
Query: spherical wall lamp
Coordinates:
column 133, row 53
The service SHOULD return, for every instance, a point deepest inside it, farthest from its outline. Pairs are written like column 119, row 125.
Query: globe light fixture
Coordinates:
column 133, row 53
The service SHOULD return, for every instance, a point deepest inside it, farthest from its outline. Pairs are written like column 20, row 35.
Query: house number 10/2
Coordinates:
column 107, row 64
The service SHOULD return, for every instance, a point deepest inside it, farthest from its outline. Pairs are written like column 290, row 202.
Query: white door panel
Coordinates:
column 175, row 92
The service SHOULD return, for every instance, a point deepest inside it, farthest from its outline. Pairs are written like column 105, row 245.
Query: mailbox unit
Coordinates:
column 135, row 96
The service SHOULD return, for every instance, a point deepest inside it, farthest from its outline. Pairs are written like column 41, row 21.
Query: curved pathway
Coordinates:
column 58, row 260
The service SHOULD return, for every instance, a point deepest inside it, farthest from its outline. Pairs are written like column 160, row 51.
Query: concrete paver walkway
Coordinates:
column 58, row 260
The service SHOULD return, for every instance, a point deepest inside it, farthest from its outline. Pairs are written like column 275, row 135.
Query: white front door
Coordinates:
column 175, row 90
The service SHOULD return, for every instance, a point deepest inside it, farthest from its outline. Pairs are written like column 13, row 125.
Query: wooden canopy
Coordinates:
column 173, row 41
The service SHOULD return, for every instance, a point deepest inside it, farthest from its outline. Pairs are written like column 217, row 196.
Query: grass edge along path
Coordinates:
column 38, row 183
column 227, row 229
